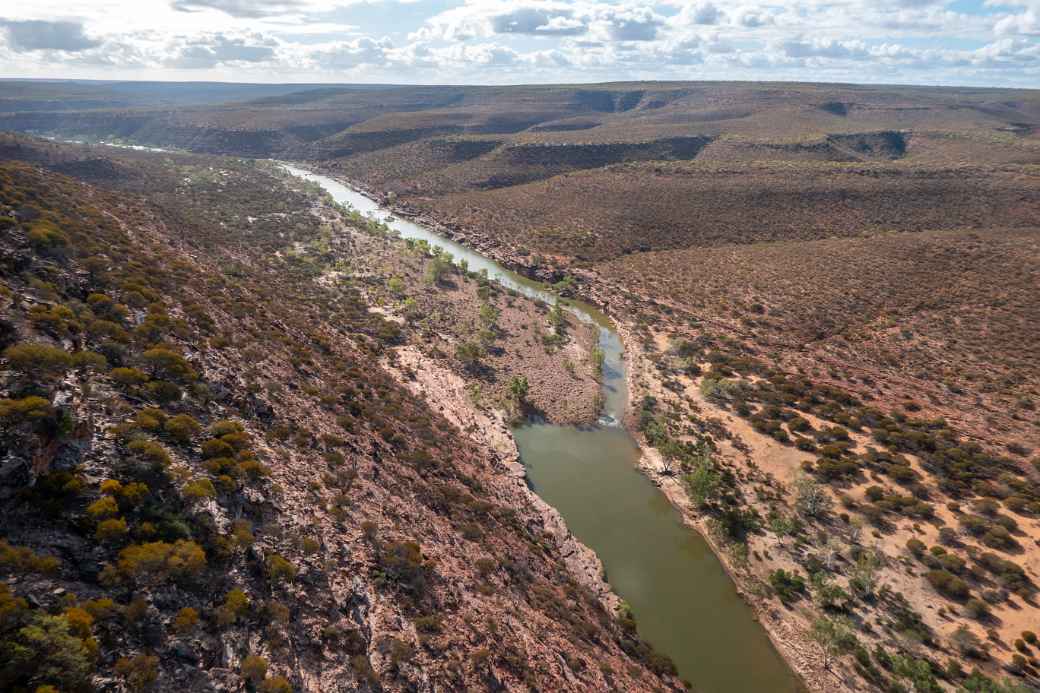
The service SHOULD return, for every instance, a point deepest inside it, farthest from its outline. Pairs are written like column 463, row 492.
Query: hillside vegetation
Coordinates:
column 209, row 481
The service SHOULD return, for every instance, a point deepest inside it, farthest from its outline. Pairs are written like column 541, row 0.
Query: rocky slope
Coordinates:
column 210, row 483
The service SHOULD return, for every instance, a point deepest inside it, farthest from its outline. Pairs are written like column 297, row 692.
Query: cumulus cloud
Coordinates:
column 238, row 8
column 751, row 18
column 703, row 13
column 218, row 49
column 34, row 35
column 825, row 48
column 351, row 54
column 629, row 24
column 1026, row 24
column 539, row 21
column 528, row 40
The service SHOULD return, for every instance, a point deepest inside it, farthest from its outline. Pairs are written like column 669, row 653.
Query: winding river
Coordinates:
column 684, row 602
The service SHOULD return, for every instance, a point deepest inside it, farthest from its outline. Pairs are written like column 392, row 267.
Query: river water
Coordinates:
column 684, row 603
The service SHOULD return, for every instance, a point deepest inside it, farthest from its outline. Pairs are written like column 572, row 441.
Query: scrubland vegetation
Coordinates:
column 828, row 295
column 209, row 480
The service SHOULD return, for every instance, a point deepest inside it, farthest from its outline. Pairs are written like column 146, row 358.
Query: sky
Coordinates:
column 947, row 42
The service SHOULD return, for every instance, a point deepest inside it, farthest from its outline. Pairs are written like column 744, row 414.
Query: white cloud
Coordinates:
column 1026, row 24
column 37, row 35
column 523, row 40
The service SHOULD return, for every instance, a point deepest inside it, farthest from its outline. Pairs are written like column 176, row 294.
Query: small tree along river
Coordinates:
column 684, row 603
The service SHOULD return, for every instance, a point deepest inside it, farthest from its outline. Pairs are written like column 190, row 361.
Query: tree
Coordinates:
column 556, row 318
column 918, row 672
column 828, row 593
column 396, row 285
column 863, row 580
column 833, row 635
column 811, row 499
column 704, row 480
column 518, row 388
column 781, row 525
column 489, row 316
column 440, row 264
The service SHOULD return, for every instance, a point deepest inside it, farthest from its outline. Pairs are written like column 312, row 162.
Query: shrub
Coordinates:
column 111, row 530
column 133, row 494
column 948, row 584
column 199, row 489
column 46, row 238
column 103, row 507
column 225, row 427
column 215, row 447
column 254, row 669
column 101, row 608
column 38, row 361
column 23, row 559
column 167, row 364
column 80, row 621
column 27, row 409
column 182, row 428
column 279, row 569
column 185, row 621
column 163, row 392
column 89, row 361
column 45, row 649
column 139, row 672
column 149, row 451
column 789, row 587
column 915, row 546
column 235, row 605
column 158, row 560
column 275, row 684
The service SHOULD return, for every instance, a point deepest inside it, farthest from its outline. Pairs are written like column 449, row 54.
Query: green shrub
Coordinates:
column 45, row 651
column 182, row 428
column 215, row 447
column 38, row 361
column 167, row 364
column 280, row 570
column 254, row 669
column 225, row 427
column 789, row 587
column 139, row 672
column 199, row 489
column 948, row 584
column 26, row 410
column 915, row 546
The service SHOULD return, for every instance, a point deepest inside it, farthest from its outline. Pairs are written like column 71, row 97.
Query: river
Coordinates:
column 684, row 602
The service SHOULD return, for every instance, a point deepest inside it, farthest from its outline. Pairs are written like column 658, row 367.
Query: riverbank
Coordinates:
column 804, row 656
column 780, row 635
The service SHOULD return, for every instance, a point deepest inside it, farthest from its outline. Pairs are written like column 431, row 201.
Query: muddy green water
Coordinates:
column 684, row 603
